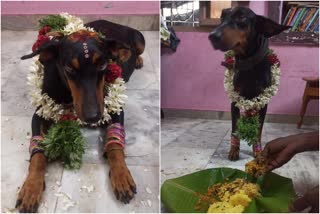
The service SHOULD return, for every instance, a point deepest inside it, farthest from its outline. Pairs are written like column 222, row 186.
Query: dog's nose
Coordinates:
column 215, row 36
column 93, row 117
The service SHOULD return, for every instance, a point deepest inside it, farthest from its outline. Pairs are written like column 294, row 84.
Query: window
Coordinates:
column 195, row 15
column 180, row 13
column 210, row 11
column 303, row 18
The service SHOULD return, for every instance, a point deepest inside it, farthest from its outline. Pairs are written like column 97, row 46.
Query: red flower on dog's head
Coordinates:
column 41, row 39
column 44, row 30
column 114, row 71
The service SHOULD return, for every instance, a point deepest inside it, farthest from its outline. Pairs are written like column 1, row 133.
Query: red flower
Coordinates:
column 114, row 71
column 251, row 113
column 229, row 60
column 44, row 30
column 41, row 39
column 273, row 59
column 68, row 117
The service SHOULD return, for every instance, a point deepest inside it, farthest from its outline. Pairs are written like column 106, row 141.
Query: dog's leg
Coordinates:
column 235, row 142
column 31, row 192
column 122, row 182
column 257, row 148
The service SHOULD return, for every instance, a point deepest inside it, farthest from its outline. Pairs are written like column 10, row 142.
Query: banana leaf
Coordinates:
column 179, row 194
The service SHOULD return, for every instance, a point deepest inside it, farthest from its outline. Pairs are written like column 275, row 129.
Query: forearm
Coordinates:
column 307, row 141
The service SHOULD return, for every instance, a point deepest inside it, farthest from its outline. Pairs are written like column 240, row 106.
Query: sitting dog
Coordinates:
column 246, row 33
column 73, row 74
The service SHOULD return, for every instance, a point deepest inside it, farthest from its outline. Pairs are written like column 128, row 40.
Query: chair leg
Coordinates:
column 306, row 100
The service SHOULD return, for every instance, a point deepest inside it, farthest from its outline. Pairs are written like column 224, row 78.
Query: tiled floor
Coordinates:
column 189, row 145
column 142, row 128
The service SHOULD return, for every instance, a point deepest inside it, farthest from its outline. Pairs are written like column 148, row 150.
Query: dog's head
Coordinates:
column 240, row 24
column 82, row 58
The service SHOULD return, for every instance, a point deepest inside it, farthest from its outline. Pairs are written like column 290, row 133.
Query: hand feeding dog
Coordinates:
column 74, row 67
column 246, row 35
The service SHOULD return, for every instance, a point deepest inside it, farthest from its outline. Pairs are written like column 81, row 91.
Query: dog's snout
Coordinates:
column 215, row 36
column 93, row 118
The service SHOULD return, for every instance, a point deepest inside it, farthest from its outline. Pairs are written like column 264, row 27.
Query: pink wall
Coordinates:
column 192, row 77
column 80, row 7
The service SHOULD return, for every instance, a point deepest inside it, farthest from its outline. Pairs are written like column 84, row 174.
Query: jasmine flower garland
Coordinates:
column 264, row 98
column 248, row 125
column 114, row 100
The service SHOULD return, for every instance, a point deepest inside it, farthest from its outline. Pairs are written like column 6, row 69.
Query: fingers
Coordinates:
column 310, row 199
column 279, row 159
column 299, row 204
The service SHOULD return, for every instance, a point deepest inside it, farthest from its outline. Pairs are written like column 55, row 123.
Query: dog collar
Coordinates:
column 250, row 62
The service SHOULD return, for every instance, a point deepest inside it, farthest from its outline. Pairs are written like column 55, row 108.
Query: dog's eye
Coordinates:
column 70, row 71
column 242, row 19
column 102, row 66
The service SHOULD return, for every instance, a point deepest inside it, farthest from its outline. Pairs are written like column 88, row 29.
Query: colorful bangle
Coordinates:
column 235, row 141
column 34, row 145
column 257, row 147
column 115, row 135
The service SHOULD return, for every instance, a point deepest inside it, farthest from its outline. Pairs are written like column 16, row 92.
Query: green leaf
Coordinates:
column 65, row 142
column 248, row 129
column 179, row 194
column 56, row 22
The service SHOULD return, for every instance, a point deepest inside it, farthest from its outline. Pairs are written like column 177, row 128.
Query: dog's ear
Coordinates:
column 48, row 50
column 268, row 27
column 117, row 50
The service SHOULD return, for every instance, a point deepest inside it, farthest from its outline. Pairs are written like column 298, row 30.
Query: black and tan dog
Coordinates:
column 246, row 33
column 70, row 78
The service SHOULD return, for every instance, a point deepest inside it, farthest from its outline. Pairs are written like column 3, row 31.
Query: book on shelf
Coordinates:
column 298, row 19
column 288, row 15
column 295, row 16
column 292, row 15
column 307, row 18
column 302, row 16
column 312, row 20
column 316, row 23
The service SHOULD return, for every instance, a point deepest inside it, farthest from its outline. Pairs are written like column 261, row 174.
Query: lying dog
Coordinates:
column 246, row 33
column 73, row 74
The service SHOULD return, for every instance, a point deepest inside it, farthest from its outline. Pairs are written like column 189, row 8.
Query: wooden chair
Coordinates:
column 310, row 92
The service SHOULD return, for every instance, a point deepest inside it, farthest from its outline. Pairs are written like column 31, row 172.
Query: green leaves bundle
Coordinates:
column 248, row 129
column 56, row 22
column 64, row 141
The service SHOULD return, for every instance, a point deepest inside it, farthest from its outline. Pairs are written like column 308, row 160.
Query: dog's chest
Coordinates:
column 250, row 84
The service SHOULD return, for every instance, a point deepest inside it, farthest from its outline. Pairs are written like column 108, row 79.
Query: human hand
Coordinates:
column 279, row 151
column 310, row 199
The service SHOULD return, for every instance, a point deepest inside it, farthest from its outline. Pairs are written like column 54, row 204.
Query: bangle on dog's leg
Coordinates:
column 115, row 135
column 235, row 141
column 257, row 149
column 34, row 145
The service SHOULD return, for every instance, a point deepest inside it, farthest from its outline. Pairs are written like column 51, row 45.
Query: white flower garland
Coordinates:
column 258, row 102
column 74, row 24
column 114, row 100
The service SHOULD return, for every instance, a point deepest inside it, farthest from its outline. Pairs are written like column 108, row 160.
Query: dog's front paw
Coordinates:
column 139, row 62
column 234, row 153
column 30, row 195
column 122, row 183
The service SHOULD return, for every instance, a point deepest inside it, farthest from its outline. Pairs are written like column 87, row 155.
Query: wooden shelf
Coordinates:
column 289, row 38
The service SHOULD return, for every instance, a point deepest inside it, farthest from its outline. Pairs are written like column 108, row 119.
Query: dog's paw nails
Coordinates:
column 134, row 189
column 139, row 62
column 19, row 201
column 123, row 185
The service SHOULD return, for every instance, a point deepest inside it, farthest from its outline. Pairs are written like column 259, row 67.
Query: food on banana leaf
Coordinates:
column 229, row 197
column 256, row 167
